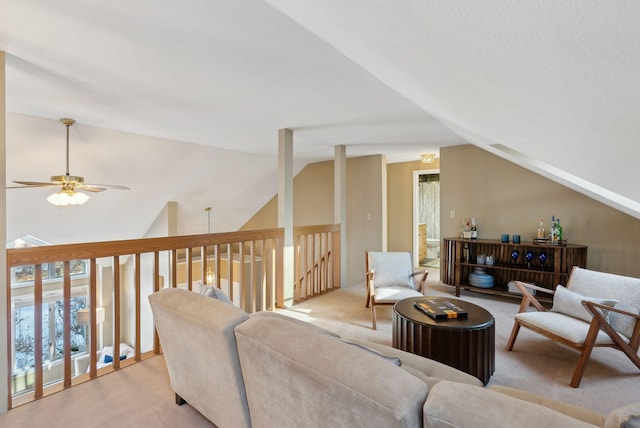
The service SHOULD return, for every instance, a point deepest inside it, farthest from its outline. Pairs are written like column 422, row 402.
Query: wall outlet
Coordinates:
column 452, row 214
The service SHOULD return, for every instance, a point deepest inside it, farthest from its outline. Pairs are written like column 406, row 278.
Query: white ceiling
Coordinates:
column 182, row 101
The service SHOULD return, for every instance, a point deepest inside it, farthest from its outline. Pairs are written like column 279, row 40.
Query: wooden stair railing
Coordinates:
column 249, row 262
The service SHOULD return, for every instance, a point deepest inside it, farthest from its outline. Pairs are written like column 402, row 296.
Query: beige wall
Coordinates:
column 313, row 204
column 505, row 198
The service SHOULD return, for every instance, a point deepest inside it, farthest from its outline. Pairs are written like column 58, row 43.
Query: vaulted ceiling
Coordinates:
column 182, row 101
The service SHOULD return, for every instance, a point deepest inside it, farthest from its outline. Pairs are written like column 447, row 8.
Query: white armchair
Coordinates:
column 595, row 309
column 390, row 278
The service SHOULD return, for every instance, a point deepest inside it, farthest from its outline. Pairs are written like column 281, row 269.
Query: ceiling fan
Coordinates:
column 69, row 184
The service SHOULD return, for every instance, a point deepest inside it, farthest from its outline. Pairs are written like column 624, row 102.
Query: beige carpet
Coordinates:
column 536, row 364
column 140, row 395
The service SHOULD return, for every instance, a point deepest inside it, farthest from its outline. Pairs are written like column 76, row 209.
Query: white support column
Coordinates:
column 285, row 210
column 340, row 204
column 4, row 366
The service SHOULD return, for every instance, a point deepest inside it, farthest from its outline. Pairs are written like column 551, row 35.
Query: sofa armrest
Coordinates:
column 451, row 404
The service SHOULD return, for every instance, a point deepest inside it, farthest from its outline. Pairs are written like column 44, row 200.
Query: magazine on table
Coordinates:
column 440, row 310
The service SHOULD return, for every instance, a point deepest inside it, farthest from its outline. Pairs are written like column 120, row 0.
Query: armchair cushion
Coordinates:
column 572, row 329
column 391, row 269
column 394, row 294
column 569, row 303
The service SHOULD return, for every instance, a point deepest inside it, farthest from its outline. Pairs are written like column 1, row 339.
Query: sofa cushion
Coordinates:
column 429, row 371
column 453, row 404
column 297, row 377
column 569, row 303
column 306, row 324
column 581, row 413
column 366, row 347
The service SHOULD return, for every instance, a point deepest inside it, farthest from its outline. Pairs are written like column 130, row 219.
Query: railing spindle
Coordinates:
column 116, row 302
column 93, row 304
column 66, row 332
column 37, row 313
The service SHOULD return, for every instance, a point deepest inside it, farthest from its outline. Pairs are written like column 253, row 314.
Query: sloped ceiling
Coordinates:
column 182, row 101
column 551, row 85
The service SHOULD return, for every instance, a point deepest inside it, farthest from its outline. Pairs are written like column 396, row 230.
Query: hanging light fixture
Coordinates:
column 428, row 158
column 68, row 196
column 209, row 276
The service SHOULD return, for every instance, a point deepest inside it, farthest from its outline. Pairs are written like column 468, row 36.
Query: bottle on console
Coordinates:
column 540, row 234
column 559, row 228
column 553, row 232
column 474, row 228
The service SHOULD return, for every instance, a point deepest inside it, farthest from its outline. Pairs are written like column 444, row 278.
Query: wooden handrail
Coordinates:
column 253, row 276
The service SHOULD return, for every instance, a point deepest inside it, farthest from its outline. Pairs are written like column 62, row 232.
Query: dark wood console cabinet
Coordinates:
column 560, row 260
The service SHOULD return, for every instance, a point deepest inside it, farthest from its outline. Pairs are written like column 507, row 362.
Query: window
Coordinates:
column 50, row 271
column 52, row 332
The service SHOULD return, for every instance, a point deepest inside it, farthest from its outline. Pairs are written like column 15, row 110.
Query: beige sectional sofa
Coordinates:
column 268, row 370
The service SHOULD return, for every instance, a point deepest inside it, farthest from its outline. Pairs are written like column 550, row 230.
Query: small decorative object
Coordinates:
column 529, row 256
column 481, row 259
column 514, row 255
column 505, row 238
column 490, row 260
column 542, row 257
column 480, row 278
column 516, row 239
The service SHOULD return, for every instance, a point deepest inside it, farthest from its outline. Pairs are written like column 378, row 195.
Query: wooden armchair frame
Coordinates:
column 599, row 322
column 371, row 300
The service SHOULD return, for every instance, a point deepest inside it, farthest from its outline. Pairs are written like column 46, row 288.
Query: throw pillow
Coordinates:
column 214, row 292
column 569, row 303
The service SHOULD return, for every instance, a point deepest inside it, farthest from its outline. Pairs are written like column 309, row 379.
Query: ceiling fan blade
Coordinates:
column 109, row 186
column 32, row 184
column 90, row 188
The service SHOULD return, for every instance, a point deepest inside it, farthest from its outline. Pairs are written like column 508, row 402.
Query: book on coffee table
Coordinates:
column 440, row 310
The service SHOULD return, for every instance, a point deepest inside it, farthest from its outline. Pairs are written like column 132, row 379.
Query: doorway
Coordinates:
column 426, row 218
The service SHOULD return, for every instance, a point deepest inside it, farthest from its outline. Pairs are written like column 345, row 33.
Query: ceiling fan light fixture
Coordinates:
column 67, row 197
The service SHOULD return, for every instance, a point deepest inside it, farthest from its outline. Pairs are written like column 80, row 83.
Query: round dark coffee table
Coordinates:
column 466, row 344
